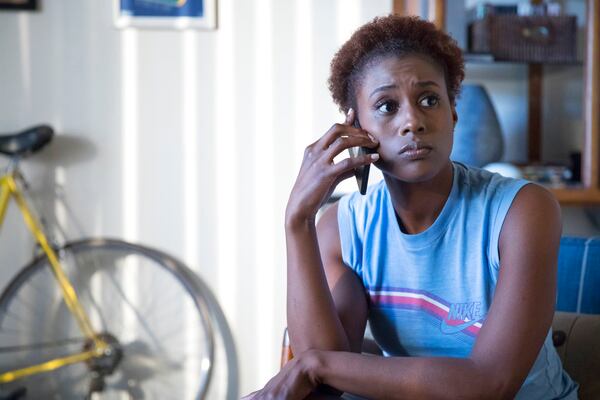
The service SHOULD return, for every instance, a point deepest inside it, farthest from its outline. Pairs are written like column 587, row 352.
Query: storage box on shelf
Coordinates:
column 532, row 39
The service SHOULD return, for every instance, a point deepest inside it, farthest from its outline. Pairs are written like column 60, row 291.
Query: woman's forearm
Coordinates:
column 376, row 377
column 312, row 318
column 313, row 322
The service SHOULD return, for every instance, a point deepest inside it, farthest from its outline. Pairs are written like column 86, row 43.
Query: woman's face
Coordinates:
column 403, row 102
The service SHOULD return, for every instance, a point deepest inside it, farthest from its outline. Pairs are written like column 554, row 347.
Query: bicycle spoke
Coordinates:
column 95, row 305
column 43, row 345
column 136, row 313
column 11, row 331
column 175, row 331
column 165, row 312
column 52, row 294
column 112, row 306
column 18, row 318
column 34, row 314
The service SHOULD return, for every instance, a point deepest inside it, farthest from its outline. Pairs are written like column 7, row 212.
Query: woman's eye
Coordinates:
column 387, row 107
column 429, row 101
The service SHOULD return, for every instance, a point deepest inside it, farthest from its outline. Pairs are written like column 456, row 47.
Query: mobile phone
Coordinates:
column 361, row 173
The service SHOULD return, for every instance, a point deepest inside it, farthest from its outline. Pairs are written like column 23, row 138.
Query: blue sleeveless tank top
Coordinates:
column 429, row 293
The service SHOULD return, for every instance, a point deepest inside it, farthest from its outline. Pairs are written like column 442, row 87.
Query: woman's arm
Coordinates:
column 346, row 289
column 509, row 341
column 334, row 317
column 348, row 308
column 314, row 263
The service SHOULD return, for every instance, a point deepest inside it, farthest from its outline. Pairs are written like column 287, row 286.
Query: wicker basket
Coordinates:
column 543, row 39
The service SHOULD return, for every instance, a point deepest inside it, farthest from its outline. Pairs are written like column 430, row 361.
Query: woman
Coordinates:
column 454, row 267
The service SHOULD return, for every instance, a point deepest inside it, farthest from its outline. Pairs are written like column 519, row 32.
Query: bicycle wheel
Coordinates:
column 144, row 302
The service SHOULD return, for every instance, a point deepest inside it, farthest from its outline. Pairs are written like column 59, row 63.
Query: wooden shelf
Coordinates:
column 484, row 58
column 577, row 197
column 589, row 191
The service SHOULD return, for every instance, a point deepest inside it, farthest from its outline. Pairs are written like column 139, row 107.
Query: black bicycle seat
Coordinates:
column 27, row 141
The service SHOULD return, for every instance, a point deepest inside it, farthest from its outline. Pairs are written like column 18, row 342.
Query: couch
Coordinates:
column 576, row 324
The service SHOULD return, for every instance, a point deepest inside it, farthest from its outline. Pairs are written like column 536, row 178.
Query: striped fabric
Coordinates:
column 579, row 275
column 453, row 318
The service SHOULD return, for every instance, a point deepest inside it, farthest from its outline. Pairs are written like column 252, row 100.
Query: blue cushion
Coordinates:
column 579, row 275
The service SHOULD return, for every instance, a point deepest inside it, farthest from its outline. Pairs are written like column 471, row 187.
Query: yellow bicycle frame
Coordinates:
column 8, row 189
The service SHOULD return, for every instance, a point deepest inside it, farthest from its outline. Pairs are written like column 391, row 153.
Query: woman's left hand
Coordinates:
column 296, row 380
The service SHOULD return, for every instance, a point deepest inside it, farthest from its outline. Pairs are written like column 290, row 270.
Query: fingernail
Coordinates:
column 372, row 138
column 375, row 156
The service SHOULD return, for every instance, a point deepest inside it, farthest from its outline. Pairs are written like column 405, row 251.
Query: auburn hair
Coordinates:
column 393, row 35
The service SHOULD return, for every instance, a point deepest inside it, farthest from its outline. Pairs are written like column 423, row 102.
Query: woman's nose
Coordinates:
column 412, row 122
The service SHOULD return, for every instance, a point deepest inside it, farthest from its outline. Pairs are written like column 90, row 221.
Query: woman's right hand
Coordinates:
column 319, row 175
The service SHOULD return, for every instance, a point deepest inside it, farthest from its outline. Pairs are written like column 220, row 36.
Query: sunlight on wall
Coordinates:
column 189, row 117
column 348, row 18
column 263, row 188
column 190, row 199
column 60, row 179
column 227, row 195
column 303, row 77
column 130, row 160
column 129, row 132
column 25, row 47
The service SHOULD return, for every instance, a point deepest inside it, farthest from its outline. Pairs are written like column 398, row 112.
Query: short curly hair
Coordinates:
column 397, row 36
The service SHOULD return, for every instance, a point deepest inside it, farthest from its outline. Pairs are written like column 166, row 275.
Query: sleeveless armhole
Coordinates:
column 349, row 239
column 500, row 206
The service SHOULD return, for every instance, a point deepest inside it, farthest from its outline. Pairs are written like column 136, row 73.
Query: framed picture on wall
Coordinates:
column 18, row 4
column 166, row 14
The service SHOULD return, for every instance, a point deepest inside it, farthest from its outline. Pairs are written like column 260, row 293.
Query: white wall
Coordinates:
column 187, row 141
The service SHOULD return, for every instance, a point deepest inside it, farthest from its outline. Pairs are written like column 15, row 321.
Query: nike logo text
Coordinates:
column 461, row 316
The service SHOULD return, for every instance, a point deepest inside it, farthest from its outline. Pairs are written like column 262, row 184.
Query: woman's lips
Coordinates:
column 415, row 151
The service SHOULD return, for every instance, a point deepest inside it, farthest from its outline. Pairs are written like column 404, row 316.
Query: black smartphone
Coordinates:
column 361, row 173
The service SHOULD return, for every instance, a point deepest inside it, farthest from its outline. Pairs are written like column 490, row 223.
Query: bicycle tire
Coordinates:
column 33, row 312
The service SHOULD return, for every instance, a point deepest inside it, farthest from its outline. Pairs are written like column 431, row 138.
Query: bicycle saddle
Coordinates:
column 27, row 141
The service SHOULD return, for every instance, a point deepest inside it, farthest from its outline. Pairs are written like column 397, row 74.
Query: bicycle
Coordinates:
column 101, row 317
